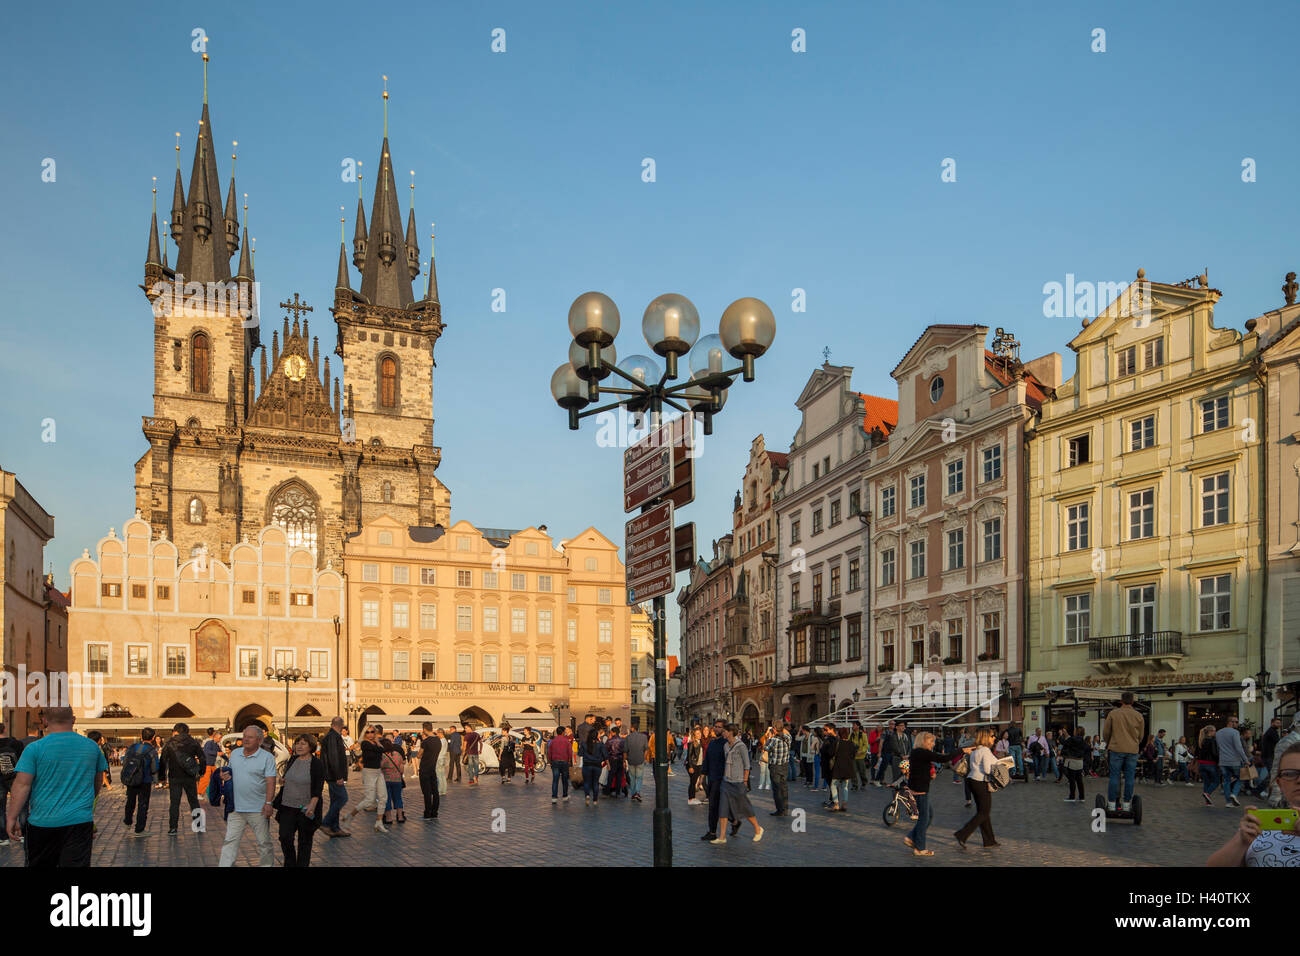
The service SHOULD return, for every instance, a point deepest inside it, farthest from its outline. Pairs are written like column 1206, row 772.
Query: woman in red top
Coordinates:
column 529, row 744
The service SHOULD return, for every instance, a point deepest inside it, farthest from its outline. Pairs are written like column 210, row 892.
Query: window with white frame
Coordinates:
column 956, row 477
column 282, row 658
column 1076, row 526
column 917, row 554
column 518, row 668
column 491, row 620
column 573, row 675
column 401, row 574
column 606, row 632
column 573, row 630
column 544, row 583
column 605, row 675
column 518, row 620
column 993, row 539
column 1153, row 353
column 1127, row 361
column 1215, row 594
column 888, row 501
column 370, row 572
column 917, row 488
column 1214, row 413
column 544, row 621
column 401, row 614
column 544, row 674
column 1142, row 514
column 429, row 576
column 401, row 665
column 464, row 617
column 318, row 662
column 428, row 665
column 464, row 579
column 428, row 617
column 956, row 640
column 992, row 463
column 517, row 582
column 590, row 564
column 177, row 660
column 464, row 667
column 572, row 594
column 370, row 663
column 490, row 580
column 1141, row 601
column 1142, row 433
column 249, row 662
column 490, row 668
column 956, row 549
column 604, row 596
column 887, row 567
column 1078, row 618
column 1214, row 500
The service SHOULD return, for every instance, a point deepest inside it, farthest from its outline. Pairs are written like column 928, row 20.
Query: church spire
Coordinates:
column 431, row 294
column 178, row 198
column 154, row 255
column 412, row 243
column 203, row 256
column 359, row 236
column 385, row 274
column 232, row 208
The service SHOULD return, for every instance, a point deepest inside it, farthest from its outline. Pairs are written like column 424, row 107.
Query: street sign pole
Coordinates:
column 663, row 817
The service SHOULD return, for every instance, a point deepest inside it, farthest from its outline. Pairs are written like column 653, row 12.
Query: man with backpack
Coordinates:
column 10, row 749
column 139, row 767
column 181, row 764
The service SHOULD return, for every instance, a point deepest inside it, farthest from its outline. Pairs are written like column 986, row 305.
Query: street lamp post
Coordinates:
column 288, row 675
column 671, row 326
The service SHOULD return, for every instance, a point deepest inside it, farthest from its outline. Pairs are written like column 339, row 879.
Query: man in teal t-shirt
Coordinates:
column 61, row 773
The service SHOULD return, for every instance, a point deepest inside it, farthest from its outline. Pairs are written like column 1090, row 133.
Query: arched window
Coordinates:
column 196, row 511
column 388, row 492
column 388, row 382
column 200, row 363
column 294, row 510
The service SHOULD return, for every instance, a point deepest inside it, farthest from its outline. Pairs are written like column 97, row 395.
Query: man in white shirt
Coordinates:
column 253, row 771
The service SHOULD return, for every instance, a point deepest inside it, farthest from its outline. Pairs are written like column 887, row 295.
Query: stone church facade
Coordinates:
column 233, row 450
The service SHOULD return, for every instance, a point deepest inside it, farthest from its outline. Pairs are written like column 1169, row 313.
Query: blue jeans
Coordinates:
column 1126, row 764
column 1209, row 778
column 1231, row 777
column 924, row 814
column 394, row 796
column 840, row 792
column 635, row 773
column 1052, row 768
column 559, row 772
column 1017, row 754
column 817, row 773
column 794, row 767
column 591, row 781
column 338, row 797
column 1040, row 766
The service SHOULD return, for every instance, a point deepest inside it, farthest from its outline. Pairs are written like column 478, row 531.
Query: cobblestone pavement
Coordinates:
column 1033, row 823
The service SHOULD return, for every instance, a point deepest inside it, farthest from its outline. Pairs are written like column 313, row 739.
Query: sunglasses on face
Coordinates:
column 1290, row 776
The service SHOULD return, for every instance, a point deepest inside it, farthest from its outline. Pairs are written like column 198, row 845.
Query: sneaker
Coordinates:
column 4, row 841
column 1206, row 796
column 777, row 813
column 1069, row 799
column 759, row 835
column 137, row 834
column 719, row 841
column 1232, row 802
column 637, row 797
column 1126, row 805
column 171, row 832
column 692, row 802
column 554, row 801
column 380, row 828
column 566, row 798
column 709, row 837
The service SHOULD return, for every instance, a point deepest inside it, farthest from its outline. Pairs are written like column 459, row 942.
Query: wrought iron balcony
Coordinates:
column 1158, row 648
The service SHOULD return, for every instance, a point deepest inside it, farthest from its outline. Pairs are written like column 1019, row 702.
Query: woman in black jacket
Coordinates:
column 1075, row 751
column 843, row 768
column 919, row 762
column 826, row 757
column 298, row 803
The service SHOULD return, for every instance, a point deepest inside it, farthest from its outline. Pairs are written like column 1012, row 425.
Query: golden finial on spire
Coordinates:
column 431, row 231
column 360, row 176
column 342, row 219
column 385, row 106
column 178, row 149
column 245, row 208
column 413, row 189
column 252, row 251
column 205, row 72
column 155, row 195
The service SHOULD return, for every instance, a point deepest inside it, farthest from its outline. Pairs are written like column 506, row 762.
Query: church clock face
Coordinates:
column 295, row 368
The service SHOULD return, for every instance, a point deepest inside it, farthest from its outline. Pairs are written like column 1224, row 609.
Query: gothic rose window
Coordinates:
column 294, row 511
column 388, row 382
column 200, row 363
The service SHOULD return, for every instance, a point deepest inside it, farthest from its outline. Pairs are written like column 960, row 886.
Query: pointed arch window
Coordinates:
column 388, row 382
column 200, row 363
column 293, row 509
column 196, row 511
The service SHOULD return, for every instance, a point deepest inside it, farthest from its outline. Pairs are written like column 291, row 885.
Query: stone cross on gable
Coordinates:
column 295, row 307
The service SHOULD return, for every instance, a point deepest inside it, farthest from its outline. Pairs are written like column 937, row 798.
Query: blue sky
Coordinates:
column 775, row 171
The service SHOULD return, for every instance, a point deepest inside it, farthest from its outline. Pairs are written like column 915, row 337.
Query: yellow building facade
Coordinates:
column 480, row 625
column 177, row 638
column 1145, row 551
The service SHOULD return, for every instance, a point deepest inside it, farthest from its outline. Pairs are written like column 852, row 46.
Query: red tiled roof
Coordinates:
column 1035, row 391
column 779, row 458
column 881, row 413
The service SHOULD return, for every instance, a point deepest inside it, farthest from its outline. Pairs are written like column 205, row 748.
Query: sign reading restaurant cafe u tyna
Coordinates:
column 432, row 691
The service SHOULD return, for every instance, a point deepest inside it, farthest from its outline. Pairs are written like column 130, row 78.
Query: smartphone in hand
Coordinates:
column 1270, row 819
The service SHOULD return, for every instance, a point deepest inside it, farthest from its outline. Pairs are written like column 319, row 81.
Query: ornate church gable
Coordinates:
column 294, row 390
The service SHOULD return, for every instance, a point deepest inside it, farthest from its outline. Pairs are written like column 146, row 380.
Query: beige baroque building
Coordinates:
column 642, row 664
column 1145, row 544
column 946, row 489
column 179, row 638
column 33, row 617
column 1279, row 507
column 480, row 625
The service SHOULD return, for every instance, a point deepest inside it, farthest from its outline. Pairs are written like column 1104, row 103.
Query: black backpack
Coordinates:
column 133, row 765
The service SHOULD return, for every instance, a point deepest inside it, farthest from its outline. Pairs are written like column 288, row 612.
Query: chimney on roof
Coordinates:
column 1047, row 369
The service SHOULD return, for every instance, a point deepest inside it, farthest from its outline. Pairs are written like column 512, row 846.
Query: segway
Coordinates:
column 1134, row 814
